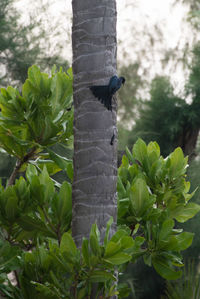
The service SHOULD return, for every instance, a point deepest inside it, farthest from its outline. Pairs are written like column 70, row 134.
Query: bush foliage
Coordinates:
column 36, row 245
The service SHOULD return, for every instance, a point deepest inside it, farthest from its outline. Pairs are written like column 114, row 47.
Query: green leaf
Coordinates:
column 120, row 188
column 140, row 150
column 184, row 212
column 46, row 291
column 68, row 245
column 129, row 155
column 123, row 208
column 29, row 224
column 183, row 241
column 120, row 233
column 85, row 251
column 147, row 259
column 8, row 256
column 139, row 198
column 82, row 293
column 118, row 258
column 112, row 248
column 51, row 166
column 108, row 226
column 94, row 240
column 65, row 201
column 70, row 171
column 62, row 162
column 11, row 208
column 166, row 229
column 178, row 163
column 31, row 172
column 165, row 268
column 153, row 147
column 127, row 242
column 125, row 161
column 47, row 182
column 101, row 276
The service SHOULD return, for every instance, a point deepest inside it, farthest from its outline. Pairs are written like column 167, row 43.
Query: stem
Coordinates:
column 19, row 164
column 48, row 220
column 59, row 234
column 14, row 173
column 17, row 278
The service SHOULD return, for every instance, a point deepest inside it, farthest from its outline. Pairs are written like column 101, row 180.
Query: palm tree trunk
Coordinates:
column 95, row 158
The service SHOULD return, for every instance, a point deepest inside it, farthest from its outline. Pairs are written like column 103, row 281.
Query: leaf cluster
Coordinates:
column 36, row 245
column 31, row 122
column 153, row 195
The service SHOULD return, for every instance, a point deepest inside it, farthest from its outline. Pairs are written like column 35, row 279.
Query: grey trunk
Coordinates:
column 95, row 159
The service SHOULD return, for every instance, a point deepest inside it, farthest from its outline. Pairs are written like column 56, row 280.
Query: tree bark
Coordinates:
column 187, row 141
column 95, row 158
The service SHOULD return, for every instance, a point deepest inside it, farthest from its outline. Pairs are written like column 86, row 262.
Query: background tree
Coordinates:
column 23, row 45
column 171, row 120
column 159, row 118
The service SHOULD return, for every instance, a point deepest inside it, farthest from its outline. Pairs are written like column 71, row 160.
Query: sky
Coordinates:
column 130, row 12
column 134, row 18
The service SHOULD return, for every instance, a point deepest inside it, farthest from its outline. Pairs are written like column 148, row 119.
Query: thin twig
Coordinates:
column 19, row 164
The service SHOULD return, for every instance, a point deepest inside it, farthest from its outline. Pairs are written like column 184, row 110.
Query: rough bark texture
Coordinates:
column 187, row 141
column 95, row 159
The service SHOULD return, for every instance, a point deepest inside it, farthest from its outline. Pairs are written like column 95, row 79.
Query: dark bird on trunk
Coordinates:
column 104, row 93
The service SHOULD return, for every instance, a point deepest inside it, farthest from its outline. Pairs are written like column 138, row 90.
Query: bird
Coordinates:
column 104, row 93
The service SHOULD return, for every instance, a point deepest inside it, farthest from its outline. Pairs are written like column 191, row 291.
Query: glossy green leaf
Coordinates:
column 166, row 229
column 94, row 245
column 30, row 224
column 85, row 251
column 165, row 268
column 101, row 276
column 184, row 212
column 108, row 226
column 129, row 155
column 70, row 171
column 65, row 200
column 118, row 258
column 45, row 290
column 112, row 248
column 127, row 242
column 48, row 183
column 120, row 188
column 11, row 208
column 140, row 150
column 60, row 161
column 31, row 172
column 183, row 241
column 120, row 233
column 95, row 240
column 178, row 163
column 8, row 256
column 68, row 245
column 153, row 147
column 139, row 198
column 125, row 161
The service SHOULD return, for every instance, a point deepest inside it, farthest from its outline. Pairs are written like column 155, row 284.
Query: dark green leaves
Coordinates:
column 39, row 117
column 140, row 200
column 152, row 193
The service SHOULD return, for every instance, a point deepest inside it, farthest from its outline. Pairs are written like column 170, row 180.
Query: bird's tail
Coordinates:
column 101, row 92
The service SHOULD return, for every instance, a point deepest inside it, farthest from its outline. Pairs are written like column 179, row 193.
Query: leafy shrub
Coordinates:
column 36, row 245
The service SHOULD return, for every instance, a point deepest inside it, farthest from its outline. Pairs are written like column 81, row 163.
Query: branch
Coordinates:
column 19, row 164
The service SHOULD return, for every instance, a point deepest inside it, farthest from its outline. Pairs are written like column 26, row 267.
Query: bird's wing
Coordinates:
column 102, row 93
column 99, row 91
column 112, row 87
